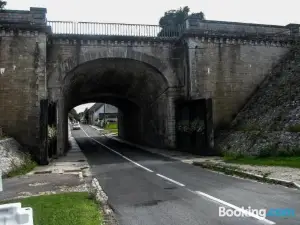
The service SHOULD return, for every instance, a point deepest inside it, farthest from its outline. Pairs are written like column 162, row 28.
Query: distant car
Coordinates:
column 76, row 126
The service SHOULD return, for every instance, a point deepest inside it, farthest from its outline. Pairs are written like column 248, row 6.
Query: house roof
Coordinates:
column 95, row 107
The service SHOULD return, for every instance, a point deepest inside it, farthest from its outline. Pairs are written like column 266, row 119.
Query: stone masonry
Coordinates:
column 269, row 124
column 22, row 73
column 222, row 61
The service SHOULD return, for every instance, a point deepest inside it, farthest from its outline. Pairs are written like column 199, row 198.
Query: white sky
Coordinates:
column 150, row 11
column 81, row 108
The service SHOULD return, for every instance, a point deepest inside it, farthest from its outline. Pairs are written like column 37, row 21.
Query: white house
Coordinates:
column 102, row 111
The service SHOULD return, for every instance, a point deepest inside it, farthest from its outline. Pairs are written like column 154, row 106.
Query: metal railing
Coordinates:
column 154, row 31
column 112, row 29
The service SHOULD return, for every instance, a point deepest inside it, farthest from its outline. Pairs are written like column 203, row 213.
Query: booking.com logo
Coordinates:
column 247, row 212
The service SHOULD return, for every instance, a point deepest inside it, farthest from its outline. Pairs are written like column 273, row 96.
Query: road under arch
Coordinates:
column 140, row 92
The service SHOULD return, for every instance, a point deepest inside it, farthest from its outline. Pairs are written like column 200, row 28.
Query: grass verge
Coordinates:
column 293, row 162
column 112, row 127
column 63, row 209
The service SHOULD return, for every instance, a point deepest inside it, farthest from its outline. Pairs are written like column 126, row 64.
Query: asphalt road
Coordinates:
column 37, row 183
column 145, row 188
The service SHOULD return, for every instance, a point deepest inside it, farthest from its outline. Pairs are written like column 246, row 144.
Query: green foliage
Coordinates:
column 294, row 128
column 172, row 19
column 111, row 125
column 86, row 114
column 232, row 155
column 52, row 132
column 2, row 4
column 73, row 115
column 291, row 161
column 186, row 126
column 18, row 170
column 63, row 209
column 267, row 151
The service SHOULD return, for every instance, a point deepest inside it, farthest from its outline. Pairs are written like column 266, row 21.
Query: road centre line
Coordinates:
column 135, row 163
column 171, row 180
column 199, row 193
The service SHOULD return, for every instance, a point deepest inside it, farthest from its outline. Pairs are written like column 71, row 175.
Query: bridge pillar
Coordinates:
column 60, row 127
column 158, row 121
column 23, row 79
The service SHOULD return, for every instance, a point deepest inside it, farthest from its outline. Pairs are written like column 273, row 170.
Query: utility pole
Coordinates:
column 104, row 114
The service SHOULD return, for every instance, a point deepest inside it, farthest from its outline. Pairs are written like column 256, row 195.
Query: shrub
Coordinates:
column 294, row 128
column 267, row 151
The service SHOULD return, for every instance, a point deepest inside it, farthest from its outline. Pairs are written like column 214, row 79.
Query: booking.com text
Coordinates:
column 248, row 212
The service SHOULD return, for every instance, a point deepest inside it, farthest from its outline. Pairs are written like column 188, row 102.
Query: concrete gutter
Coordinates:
column 229, row 170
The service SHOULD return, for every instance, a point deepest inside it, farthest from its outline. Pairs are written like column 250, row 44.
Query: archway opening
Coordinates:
column 137, row 89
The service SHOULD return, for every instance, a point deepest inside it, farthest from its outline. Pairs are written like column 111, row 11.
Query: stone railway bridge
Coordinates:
column 166, row 82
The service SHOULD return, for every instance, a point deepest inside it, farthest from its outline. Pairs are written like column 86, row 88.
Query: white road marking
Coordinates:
column 135, row 163
column 171, row 180
column 219, row 201
column 253, row 215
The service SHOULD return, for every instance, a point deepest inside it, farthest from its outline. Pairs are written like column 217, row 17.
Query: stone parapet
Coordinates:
column 33, row 16
column 194, row 25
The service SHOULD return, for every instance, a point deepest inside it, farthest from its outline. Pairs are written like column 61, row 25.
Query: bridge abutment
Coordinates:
column 23, row 80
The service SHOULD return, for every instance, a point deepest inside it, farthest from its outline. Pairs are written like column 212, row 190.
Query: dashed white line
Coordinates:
column 171, row 180
column 219, row 201
column 124, row 157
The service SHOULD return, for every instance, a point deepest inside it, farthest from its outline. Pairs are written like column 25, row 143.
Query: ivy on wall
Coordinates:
column 188, row 126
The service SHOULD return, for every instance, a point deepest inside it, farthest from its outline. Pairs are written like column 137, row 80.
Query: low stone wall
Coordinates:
column 260, row 143
column 11, row 156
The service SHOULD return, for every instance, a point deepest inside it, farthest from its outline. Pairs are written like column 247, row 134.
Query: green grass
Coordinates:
column 295, row 128
column 28, row 165
column 3, row 137
column 63, row 209
column 293, row 162
column 112, row 127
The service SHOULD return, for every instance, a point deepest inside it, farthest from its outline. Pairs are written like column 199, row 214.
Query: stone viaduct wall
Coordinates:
column 22, row 73
column 211, row 59
column 228, row 61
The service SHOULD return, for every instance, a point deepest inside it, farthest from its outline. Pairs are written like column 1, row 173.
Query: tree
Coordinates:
column 2, row 4
column 172, row 20
column 73, row 115
column 86, row 114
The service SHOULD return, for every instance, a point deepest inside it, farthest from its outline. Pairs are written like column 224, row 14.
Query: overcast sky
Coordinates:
column 150, row 11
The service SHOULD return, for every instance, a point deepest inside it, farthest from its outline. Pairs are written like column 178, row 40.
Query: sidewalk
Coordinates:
column 70, row 173
column 279, row 175
column 73, row 163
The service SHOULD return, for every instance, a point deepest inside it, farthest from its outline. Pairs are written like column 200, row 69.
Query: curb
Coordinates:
column 102, row 199
column 223, row 169
column 233, row 171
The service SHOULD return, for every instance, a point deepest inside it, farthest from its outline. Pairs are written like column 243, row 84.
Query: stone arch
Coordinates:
column 71, row 63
